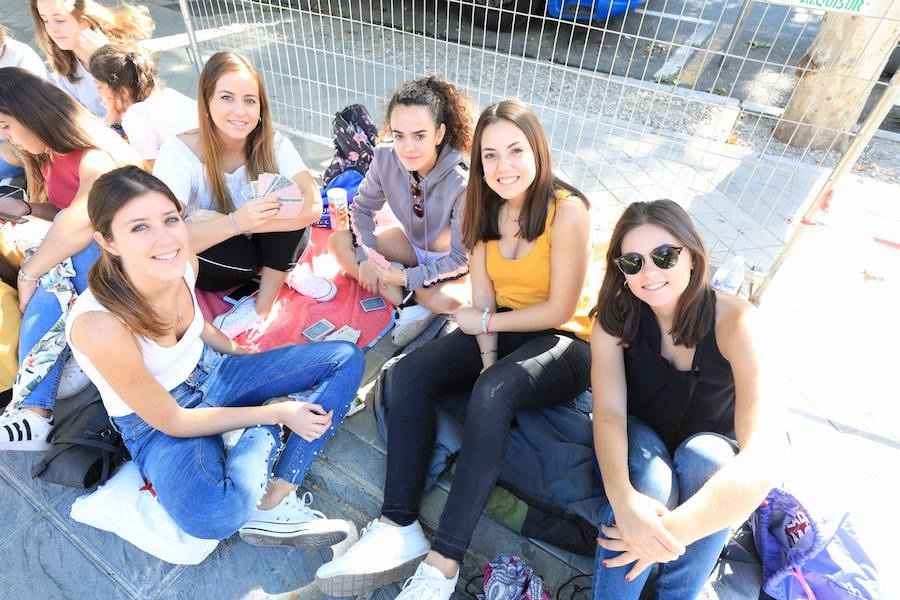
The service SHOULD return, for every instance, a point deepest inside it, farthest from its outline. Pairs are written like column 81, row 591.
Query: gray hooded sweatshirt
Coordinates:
column 443, row 191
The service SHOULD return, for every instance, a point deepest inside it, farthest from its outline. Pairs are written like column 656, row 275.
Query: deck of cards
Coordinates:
column 287, row 192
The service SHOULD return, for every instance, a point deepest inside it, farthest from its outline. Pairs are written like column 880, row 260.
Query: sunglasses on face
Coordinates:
column 664, row 257
column 418, row 209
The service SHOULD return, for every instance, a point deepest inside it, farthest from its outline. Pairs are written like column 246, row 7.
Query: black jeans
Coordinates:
column 534, row 369
column 239, row 258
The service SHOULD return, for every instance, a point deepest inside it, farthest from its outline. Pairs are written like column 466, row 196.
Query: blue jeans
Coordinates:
column 40, row 315
column 211, row 494
column 671, row 481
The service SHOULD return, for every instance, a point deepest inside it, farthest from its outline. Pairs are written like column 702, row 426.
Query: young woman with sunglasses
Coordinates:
column 208, row 169
column 70, row 30
column 422, row 176
column 172, row 383
column 684, row 430
column 65, row 149
column 522, row 345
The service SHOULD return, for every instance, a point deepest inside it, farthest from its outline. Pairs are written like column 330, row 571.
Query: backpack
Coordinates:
column 810, row 556
column 354, row 141
column 84, row 448
column 354, row 148
column 507, row 577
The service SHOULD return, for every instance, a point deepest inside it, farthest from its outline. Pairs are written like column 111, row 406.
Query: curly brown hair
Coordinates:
column 448, row 104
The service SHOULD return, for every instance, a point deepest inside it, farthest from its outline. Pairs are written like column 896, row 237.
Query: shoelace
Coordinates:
column 424, row 581
column 305, row 501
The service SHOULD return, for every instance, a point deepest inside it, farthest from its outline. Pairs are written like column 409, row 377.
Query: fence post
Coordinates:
column 866, row 131
column 192, row 38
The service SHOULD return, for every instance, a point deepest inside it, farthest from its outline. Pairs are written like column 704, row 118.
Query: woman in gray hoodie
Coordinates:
column 422, row 175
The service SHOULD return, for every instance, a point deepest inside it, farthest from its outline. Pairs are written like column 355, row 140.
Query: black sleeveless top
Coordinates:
column 677, row 404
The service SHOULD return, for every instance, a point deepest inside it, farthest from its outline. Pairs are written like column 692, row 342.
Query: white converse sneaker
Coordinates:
column 412, row 322
column 428, row 584
column 305, row 282
column 293, row 523
column 22, row 429
column 72, row 380
column 383, row 554
column 241, row 318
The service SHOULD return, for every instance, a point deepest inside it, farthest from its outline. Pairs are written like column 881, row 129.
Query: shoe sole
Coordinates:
column 359, row 583
column 32, row 446
column 299, row 540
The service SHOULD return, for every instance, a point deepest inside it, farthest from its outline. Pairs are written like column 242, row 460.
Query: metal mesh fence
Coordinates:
column 721, row 105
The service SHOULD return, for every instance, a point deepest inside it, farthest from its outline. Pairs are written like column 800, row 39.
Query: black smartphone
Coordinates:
column 248, row 289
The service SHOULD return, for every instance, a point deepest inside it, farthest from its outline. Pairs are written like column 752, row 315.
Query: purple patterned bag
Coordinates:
column 810, row 556
column 507, row 577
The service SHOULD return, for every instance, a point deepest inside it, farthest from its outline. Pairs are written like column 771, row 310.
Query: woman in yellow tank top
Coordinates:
column 520, row 346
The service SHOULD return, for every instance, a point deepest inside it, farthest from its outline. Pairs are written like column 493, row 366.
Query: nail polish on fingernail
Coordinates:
column 604, row 564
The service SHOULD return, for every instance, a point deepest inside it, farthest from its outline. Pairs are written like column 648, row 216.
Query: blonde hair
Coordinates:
column 259, row 146
column 123, row 23
column 59, row 121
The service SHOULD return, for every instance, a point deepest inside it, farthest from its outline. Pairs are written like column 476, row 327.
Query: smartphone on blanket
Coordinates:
column 248, row 289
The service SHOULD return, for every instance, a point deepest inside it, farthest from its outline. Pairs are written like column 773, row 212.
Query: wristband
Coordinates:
column 484, row 319
column 23, row 276
column 489, row 352
column 234, row 223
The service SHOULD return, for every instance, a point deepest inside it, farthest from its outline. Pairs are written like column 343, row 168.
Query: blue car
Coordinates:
column 587, row 10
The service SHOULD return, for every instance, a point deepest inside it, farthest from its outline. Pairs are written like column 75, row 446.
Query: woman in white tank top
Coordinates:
column 173, row 383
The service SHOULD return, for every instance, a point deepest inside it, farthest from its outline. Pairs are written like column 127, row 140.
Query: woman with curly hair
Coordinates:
column 422, row 176
column 522, row 345
column 70, row 30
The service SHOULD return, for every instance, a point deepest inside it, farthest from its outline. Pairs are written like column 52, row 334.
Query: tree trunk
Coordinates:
column 837, row 74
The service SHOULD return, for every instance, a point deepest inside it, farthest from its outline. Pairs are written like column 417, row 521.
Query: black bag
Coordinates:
column 84, row 448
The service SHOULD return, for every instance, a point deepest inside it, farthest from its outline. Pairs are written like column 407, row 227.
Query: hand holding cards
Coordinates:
column 279, row 186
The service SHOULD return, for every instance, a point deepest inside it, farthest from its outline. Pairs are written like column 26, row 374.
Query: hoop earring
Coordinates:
column 625, row 283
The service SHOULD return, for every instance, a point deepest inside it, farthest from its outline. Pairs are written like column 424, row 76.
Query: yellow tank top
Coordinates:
column 525, row 281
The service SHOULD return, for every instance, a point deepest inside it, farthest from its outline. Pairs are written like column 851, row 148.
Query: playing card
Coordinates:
column 344, row 334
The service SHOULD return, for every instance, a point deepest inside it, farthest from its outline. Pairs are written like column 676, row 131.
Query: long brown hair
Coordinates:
column 107, row 277
column 123, row 23
column 125, row 69
column 60, row 122
column 448, row 105
column 480, row 222
column 619, row 311
column 259, row 146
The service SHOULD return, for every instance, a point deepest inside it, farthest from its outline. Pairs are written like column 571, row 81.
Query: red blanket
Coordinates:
column 293, row 313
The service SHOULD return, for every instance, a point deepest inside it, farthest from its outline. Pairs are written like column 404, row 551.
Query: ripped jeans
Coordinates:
column 671, row 480
column 210, row 494
column 534, row 369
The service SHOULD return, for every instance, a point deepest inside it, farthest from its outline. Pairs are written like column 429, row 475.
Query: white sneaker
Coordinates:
column 428, row 584
column 22, row 429
column 413, row 320
column 241, row 318
column 293, row 523
column 383, row 554
column 304, row 281
column 72, row 380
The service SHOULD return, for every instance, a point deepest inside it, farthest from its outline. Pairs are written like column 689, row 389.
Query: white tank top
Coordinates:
column 169, row 366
